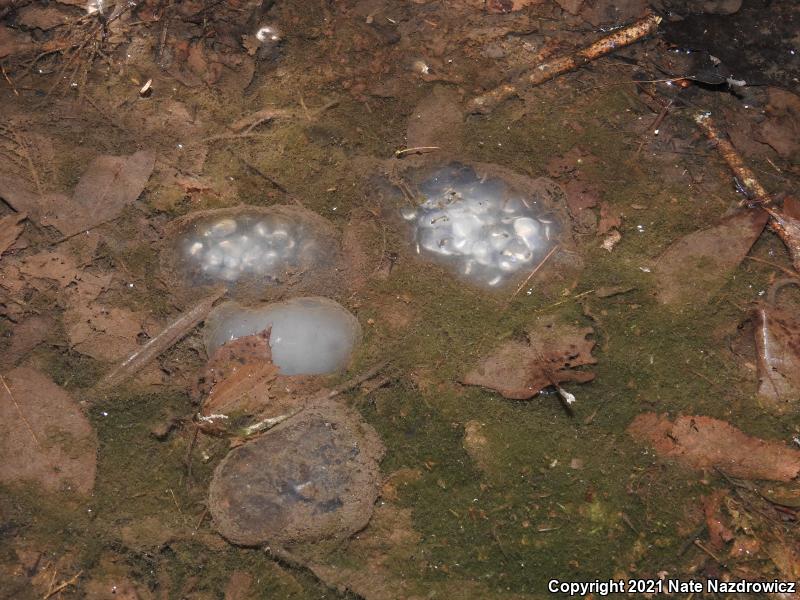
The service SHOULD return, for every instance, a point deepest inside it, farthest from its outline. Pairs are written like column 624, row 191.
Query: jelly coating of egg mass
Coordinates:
column 478, row 227
column 246, row 246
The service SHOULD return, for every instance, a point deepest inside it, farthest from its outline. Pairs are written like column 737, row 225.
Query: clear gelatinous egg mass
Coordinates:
column 480, row 227
column 245, row 246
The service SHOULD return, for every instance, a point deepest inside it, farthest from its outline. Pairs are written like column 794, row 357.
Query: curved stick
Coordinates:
column 553, row 68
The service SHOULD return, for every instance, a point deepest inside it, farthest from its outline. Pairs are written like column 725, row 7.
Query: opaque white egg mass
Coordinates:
column 310, row 336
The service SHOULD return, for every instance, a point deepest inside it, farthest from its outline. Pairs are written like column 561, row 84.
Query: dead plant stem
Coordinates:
column 532, row 273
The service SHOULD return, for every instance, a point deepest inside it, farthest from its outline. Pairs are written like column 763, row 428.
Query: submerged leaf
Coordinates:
column 520, row 370
column 704, row 443
column 241, row 387
column 105, row 333
column 696, row 267
column 109, row 184
column 44, row 435
column 777, row 340
column 10, row 229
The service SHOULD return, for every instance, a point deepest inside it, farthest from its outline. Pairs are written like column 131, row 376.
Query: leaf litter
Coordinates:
column 10, row 229
column 44, row 435
column 694, row 268
column 550, row 355
column 702, row 442
column 107, row 186
column 240, row 384
column 389, row 542
column 777, row 343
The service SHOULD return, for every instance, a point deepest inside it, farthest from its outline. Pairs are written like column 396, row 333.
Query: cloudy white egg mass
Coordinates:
column 479, row 226
column 309, row 336
column 246, row 246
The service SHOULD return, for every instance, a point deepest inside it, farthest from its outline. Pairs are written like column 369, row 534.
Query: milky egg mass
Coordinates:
column 308, row 336
column 246, row 246
column 478, row 226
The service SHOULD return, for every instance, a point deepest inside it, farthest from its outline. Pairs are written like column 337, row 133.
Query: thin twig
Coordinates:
column 168, row 337
column 745, row 176
column 229, row 136
column 703, row 547
column 63, row 585
column 188, row 459
column 8, row 79
column 417, row 150
column 565, row 300
column 202, row 518
column 19, row 410
column 563, row 64
column 260, row 173
column 786, row 270
column 356, row 381
column 532, row 273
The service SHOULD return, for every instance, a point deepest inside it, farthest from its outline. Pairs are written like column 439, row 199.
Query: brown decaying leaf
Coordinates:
column 240, row 380
column 103, row 332
column 239, row 586
column 786, row 556
column 26, row 336
column 10, row 229
column 610, row 218
column 777, row 341
column 108, row 185
column 13, row 42
column 520, row 370
column 781, row 129
column 718, row 531
column 50, row 265
column 44, row 436
column 705, row 443
column 239, row 376
column 696, row 267
column 580, row 195
column 17, row 195
column 41, row 17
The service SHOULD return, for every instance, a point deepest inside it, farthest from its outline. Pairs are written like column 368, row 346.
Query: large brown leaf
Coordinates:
column 696, row 267
column 704, row 443
column 108, row 185
column 54, row 266
column 520, row 370
column 44, row 436
column 239, row 376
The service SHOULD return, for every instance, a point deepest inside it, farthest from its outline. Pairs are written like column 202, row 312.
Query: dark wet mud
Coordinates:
column 757, row 44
